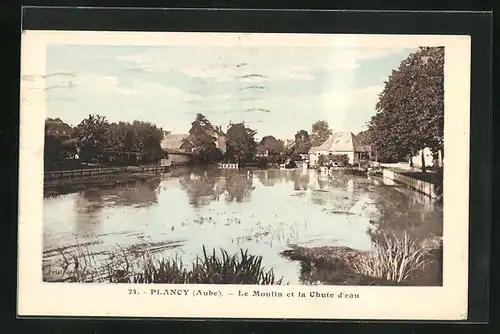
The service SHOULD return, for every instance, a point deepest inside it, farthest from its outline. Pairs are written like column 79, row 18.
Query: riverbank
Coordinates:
column 81, row 266
column 67, row 186
column 394, row 261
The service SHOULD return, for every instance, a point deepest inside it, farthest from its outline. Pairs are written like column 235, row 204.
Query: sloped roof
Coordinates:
column 173, row 141
column 57, row 127
column 341, row 142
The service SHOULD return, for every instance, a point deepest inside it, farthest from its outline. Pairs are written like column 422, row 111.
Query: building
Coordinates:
column 172, row 144
column 341, row 143
column 56, row 127
column 216, row 132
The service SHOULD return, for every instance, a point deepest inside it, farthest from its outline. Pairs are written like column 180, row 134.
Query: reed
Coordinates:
column 395, row 259
column 210, row 268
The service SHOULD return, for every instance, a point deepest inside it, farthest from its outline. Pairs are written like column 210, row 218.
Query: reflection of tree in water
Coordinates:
column 206, row 185
column 200, row 186
column 406, row 211
column 88, row 208
column 270, row 177
column 89, row 203
column 238, row 187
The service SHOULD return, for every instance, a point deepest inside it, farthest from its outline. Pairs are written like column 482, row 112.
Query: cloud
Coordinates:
column 256, row 65
column 111, row 86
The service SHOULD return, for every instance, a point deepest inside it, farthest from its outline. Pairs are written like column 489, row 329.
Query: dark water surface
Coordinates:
column 263, row 211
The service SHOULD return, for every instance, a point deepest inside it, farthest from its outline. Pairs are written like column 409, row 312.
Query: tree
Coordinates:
column 272, row 145
column 241, row 145
column 302, row 142
column 91, row 138
column 323, row 160
column 203, row 141
column 410, row 111
column 320, row 132
column 148, row 141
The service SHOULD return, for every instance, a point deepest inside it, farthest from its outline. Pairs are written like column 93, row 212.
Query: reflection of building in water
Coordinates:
column 350, row 185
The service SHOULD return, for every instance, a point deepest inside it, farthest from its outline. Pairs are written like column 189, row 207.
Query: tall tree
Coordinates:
column 410, row 111
column 91, row 138
column 302, row 142
column 241, row 145
column 272, row 145
column 203, row 141
column 320, row 132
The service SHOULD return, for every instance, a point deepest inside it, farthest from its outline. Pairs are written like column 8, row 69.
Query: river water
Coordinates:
column 262, row 211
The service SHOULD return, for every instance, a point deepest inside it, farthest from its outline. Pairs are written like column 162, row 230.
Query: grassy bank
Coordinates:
column 210, row 268
column 393, row 261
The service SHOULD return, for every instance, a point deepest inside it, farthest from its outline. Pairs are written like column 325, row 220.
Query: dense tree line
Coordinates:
column 95, row 140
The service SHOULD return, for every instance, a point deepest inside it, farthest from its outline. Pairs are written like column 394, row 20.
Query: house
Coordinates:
column 341, row 143
column 172, row 144
column 262, row 152
column 56, row 127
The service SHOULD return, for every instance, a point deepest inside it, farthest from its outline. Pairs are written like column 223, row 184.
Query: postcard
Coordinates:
column 244, row 175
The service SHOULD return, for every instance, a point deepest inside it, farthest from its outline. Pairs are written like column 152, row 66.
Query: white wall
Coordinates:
column 313, row 158
column 417, row 159
column 176, row 159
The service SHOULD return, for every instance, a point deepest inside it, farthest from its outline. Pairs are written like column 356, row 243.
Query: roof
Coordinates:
column 57, row 127
column 173, row 141
column 341, row 142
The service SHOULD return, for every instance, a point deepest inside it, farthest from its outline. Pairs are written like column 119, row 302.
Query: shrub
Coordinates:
column 323, row 160
column 340, row 159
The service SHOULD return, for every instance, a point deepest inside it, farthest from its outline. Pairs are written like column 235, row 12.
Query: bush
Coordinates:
column 340, row 159
column 323, row 160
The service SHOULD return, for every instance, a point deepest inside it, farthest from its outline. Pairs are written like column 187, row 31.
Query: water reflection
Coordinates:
column 263, row 211
column 206, row 186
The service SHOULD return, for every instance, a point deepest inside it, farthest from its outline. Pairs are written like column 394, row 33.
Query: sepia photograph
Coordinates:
column 160, row 165
column 243, row 159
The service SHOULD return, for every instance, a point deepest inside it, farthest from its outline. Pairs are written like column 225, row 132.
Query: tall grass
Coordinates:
column 395, row 259
column 211, row 268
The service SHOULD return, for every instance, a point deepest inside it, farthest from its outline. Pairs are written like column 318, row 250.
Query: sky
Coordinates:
column 275, row 90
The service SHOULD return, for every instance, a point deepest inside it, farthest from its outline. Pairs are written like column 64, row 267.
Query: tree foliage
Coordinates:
column 104, row 142
column 272, row 145
column 302, row 142
column 320, row 132
column 323, row 160
column 91, row 136
column 241, row 145
column 410, row 111
column 202, row 139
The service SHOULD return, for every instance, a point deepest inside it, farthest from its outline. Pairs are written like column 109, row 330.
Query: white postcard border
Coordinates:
column 448, row 302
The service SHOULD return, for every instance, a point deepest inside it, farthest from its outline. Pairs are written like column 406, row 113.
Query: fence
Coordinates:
column 99, row 172
column 227, row 166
